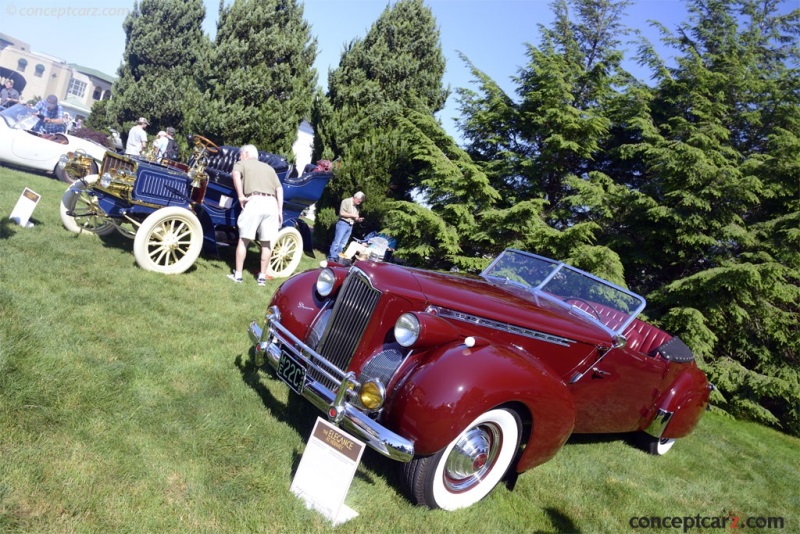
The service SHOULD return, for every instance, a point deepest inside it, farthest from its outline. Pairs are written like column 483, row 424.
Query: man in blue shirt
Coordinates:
column 51, row 116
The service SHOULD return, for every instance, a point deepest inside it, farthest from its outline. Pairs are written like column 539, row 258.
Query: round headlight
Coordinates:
column 105, row 180
column 62, row 161
column 406, row 329
column 372, row 395
column 325, row 282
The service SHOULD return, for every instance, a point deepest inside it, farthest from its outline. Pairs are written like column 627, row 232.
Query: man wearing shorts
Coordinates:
column 261, row 197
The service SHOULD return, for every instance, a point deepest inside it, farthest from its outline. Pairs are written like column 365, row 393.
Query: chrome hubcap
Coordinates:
column 472, row 457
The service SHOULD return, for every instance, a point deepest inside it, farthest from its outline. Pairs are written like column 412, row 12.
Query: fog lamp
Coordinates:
column 372, row 395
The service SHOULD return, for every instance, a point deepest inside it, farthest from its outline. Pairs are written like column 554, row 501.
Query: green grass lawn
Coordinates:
column 129, row 403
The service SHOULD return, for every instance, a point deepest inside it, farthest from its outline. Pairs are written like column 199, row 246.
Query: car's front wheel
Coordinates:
column 79, row 210
column 168, row 241
column 469, row 467
column 61, row 173
column 286, row 253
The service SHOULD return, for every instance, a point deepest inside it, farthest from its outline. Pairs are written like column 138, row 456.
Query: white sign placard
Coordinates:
column 22, row 212
column 326, row 471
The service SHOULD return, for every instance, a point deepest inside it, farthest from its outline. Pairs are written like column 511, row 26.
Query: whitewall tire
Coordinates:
column 469, row 467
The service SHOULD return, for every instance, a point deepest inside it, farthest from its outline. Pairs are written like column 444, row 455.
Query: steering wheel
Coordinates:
column 206, row 143
column 589, row 304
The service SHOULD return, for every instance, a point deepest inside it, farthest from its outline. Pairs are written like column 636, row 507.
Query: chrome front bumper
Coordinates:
column 268, row 345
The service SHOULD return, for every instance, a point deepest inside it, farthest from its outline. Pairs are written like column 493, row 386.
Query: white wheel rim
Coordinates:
column 286, row 253
column 86, row 214
column 169, row 242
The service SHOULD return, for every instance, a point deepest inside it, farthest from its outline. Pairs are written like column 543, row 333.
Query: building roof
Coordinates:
column 76, row 105
column 93, row 72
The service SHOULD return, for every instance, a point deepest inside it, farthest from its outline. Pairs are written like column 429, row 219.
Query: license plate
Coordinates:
column 292, row 372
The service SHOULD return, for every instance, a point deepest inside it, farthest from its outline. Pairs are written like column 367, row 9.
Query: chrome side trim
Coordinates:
column 268, row 345
column 504, row 327
column 659, row 423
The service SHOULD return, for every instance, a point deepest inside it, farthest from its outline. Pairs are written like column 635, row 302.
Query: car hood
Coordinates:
column 474, row 295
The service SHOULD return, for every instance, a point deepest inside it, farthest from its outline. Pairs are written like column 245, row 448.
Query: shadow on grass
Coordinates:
column 632, row 439
column 301, row 415
column 7, row 228
column 561, row 522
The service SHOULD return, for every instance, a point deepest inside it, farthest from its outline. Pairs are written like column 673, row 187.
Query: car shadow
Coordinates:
column 301, row 416
column 629, row 438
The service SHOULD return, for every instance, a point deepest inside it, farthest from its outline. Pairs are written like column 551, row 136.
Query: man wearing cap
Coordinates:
column 137, row 138
column 51, row 116
column 348, row 216
column 8, row 95
column 165, row 148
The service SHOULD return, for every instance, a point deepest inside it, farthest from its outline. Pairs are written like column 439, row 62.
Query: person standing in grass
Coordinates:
column 261, row 196
column 348, row 216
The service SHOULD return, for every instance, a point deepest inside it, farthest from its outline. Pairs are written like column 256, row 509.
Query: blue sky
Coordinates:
column 491, row 33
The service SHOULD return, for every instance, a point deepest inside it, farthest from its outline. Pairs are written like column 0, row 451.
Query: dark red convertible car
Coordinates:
column 468, row 379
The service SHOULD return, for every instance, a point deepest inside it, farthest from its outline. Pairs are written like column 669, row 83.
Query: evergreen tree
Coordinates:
column 722, row 194
column 540, row 151
column 165, row 52
column 395, row 69
column 261, row 82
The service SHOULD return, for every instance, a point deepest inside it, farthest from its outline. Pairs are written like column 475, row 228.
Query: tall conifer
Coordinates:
column 165, row 54
column 261, row 79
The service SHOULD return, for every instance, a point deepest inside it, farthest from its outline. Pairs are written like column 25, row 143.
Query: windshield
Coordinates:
column 20, row 116
column 587, row 295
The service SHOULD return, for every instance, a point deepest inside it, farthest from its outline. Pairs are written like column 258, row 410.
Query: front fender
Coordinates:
column 454, row 385
column 679, row 408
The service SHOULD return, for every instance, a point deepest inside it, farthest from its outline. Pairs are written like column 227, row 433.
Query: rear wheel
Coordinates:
column 168, row 241
column 286, row 253
column 469, row 468
column 655, row 446
column 79, row 210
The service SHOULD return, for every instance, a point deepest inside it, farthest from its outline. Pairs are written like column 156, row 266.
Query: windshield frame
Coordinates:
column 19, row 116
column 559, row 282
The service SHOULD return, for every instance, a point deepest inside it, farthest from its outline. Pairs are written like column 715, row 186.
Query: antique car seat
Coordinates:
column 220, row 165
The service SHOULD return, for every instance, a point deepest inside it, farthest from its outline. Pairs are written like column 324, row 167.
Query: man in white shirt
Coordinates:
column 137, row 138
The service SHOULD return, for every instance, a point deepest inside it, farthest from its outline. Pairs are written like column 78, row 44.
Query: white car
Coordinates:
column 22, row 147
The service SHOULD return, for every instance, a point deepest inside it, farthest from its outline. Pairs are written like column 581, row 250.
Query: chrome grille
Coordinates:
column 351, row 314
column 113, row 161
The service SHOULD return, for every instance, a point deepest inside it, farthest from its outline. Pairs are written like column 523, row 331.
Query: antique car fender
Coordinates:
column 679, row 408
column 456, row 384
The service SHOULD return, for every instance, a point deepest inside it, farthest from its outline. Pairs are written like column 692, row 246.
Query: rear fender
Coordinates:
column 455, row 384
column 679, row 408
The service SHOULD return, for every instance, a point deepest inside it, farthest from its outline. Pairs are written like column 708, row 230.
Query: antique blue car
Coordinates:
column 173, row 211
